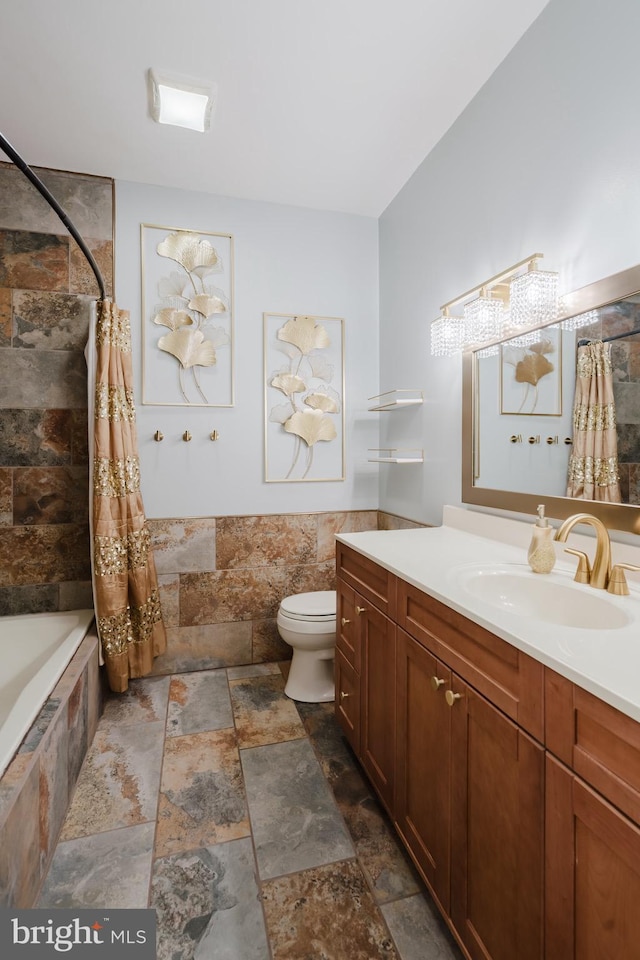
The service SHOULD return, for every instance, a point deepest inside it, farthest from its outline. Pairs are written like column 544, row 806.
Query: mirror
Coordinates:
column 516, row 433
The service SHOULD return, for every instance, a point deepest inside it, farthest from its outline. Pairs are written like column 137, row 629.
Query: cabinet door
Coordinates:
column 423, row 765
column 496, row 831
column 347, row 625
column 592, row 874
column 378, row 727
column 348, row 700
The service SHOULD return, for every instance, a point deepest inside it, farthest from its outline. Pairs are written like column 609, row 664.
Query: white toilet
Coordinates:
column 307, row 622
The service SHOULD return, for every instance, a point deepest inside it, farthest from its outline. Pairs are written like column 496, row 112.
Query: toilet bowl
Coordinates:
column 307, row 622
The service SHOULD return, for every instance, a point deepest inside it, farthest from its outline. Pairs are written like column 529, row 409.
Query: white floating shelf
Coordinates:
column 396, row 455
column 395, row 399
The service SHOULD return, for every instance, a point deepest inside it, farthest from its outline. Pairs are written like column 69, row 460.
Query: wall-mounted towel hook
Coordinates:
column 186, row 436
column 534, row 439
column 552, row 440
column 515, row 438
column 214, row 435
column 158, row 436
column 568, row 441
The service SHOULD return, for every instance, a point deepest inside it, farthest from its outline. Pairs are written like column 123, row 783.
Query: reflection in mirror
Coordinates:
column 518, row 407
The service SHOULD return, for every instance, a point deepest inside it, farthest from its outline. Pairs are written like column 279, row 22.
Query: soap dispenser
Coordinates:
column 542, row 554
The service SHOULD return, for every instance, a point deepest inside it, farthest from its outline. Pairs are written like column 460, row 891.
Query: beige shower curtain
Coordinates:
column 593, row 464
column 124, row 578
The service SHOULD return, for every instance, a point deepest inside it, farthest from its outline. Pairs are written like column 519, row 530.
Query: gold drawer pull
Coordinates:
column 360, row 610
column 344, row 621
column 451, row 697
column 436, row 683
column 344, row 696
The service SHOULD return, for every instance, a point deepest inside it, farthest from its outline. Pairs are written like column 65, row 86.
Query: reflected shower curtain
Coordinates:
column 125, row 585
column 593, row 464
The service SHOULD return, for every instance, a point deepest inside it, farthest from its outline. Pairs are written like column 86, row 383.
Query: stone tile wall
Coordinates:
column 222, row 580
column 46, row 287
column 625, row 357
column 36, row 788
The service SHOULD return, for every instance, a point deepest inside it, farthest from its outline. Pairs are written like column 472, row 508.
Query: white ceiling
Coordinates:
column 330, row 105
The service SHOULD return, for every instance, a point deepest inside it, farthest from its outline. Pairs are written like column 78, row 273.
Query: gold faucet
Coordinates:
column 599, row 575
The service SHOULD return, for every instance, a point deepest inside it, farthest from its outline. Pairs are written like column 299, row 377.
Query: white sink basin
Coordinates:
column 517, row 590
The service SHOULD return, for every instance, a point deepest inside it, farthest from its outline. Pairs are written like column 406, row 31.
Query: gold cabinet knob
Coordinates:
column 158, row 436
column 360, row 610
column 186, row 436
column 344, row 696
column 436, row 683
column 344, row 621
column 451, row 697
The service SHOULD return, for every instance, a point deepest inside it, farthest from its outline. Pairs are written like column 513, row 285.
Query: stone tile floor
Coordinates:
column 244, row 820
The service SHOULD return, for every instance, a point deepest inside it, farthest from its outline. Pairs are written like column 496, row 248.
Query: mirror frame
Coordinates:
column 616, row 516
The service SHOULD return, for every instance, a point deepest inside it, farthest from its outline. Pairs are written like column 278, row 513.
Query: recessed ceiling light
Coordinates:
column 181, row 101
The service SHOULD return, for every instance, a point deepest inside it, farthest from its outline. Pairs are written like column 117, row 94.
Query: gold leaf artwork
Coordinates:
column 322, row 401
column 207, row 305
column 532, row 368
column 189, row 347
column 195, row 255
column 289, row 384
column 174, row 319
column 312, row 426
column 305, row 334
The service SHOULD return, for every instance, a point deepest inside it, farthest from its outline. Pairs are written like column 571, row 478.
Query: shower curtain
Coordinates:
column 125, row 584
column 593, row 464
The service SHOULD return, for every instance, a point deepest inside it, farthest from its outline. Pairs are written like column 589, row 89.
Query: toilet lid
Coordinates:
column 317, row 606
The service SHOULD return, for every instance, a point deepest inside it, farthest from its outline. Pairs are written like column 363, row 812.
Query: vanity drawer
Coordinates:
column 347, row 626
column 513, row 681
column 348, row 700
column 372, row 581
column 598, row 742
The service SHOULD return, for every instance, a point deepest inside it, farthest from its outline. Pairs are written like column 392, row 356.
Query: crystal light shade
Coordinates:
column 484, row 319
column 580, row 321
column 534, row 298
column 447, row 336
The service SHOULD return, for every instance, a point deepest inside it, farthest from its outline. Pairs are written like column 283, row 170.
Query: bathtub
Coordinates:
column 35, row 650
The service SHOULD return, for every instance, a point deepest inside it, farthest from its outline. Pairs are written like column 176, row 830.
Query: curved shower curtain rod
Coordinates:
column 53, row 203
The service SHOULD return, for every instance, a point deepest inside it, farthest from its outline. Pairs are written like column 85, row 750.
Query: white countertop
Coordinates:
column 604, row 662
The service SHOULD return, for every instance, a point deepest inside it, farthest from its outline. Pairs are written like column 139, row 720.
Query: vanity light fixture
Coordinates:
column 533, row 297
column 181, row 101
column 448, row 335
column 520, row 297
column 580, row 321
column 484, row 317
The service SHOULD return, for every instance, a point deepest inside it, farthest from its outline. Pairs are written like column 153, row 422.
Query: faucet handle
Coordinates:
column 583, row 570
column 617, row 581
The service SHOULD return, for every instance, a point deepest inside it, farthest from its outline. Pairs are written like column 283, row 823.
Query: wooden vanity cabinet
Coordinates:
column 469, row 807
column 497, row 831
column 516, row 792
column 423, row 763
column 366, row 667
column 592, row 878
column 462, row 781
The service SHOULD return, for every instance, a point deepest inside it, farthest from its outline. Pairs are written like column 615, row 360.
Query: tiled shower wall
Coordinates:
column 612, row 320
column 46, row 287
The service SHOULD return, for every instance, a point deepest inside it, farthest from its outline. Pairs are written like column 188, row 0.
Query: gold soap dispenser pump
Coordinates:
column 542, row 554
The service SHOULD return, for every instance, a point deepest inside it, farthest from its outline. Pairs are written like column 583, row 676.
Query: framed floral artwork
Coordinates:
column 187, row 317
column 531, row 374
column 303, row 398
